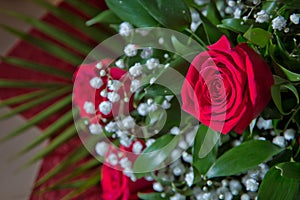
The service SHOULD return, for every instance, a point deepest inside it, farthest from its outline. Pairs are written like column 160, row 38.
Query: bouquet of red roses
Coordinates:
column 193, row 99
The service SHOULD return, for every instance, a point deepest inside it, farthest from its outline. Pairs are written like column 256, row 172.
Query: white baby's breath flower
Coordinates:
column 113, row 97
column 101, row 148
column 105, row 107
column 125, row 29
column 103, row 93
column 245, row 196
column 120, row 63
column 136, row 70
column 177, row 196
column 99, row 65
column 130, row 50
column 189, row 178
column 157, row 187
column 95, row 129
column 166, row 105
column 89, row 107
column 279, row 23
column 147, row 52
column 279, row 140
column 289, row 134
column 152, row 80
column 114, row 85
column 152, row 63
column 188, row 158
column 295, row 18
column 264, row 124
column 149, row 142
column 175, row 130
column 112, row 159
column 96, row 82
column 135, row 84
column 237, row 13
column 125, row 163
column 137, row 147
column 102, row 73
column 128, row 122
column 252, row 185
column 143, row 109
column 235, row 186
column 111, row 127
column 262, row 16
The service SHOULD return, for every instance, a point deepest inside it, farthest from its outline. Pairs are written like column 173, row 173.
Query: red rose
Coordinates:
column 87, row 93
column 116, row 185
column 226, row 88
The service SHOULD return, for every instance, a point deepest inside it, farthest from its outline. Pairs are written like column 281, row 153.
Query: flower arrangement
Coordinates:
column 193, row 99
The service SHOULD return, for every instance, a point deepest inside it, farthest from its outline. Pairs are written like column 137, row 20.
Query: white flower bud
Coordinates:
column 264, row 124
column 114, row 85
column 96, row 82
column 175, row 130
column 101, row 148
column 137, row 147
column 130, row 50
column 152, row 63
column 189, row 178
column 251, row 185
column 136, row 70
column 105, row 107
column 89, row 107
column 279, row 23
column 143, row 109
column 279, row 140
column 95, row 129
column 113, row 97
column 112, row 159
column 158, row 187
column 128, row 122
column 120, row 63
column 289, row 134
column 295, row 18
column 125, row 29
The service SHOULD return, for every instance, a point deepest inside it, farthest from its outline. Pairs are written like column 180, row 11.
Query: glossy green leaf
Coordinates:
column 277, row 187
column 212, row 32
column 242, row 158
column 289, row 170
column 213, row 13
column 106, row 17
column 276, row 95
column 205, row 148
column 176, row 16
column 258, row 36
column 153, row 156
column 235, row 25
column 130, row 11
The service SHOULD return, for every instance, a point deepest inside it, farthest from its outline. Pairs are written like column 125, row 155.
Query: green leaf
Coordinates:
column 156, row 153
column 93, row 180
column 39, row 117
column 235, row 25
column 150, row 196
column 276, row 95
column 57, row 125
column 176, row 16
column 242, row 158
column 289, row 170
column 205, row 148
column 37, row 67
column 80, row 170
column 106, row 17
column 277, row 187
column 213, row 13
column 6, row 83
column 52, row 31
column 26, row 106
column 49, row 47
column 212, row 32
column 132, row 12
column 75, row 21
column 258, row 36
column 22, row 98
column 291, row 76
column 73, row 157
column 86, row 7
column 61, row 138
